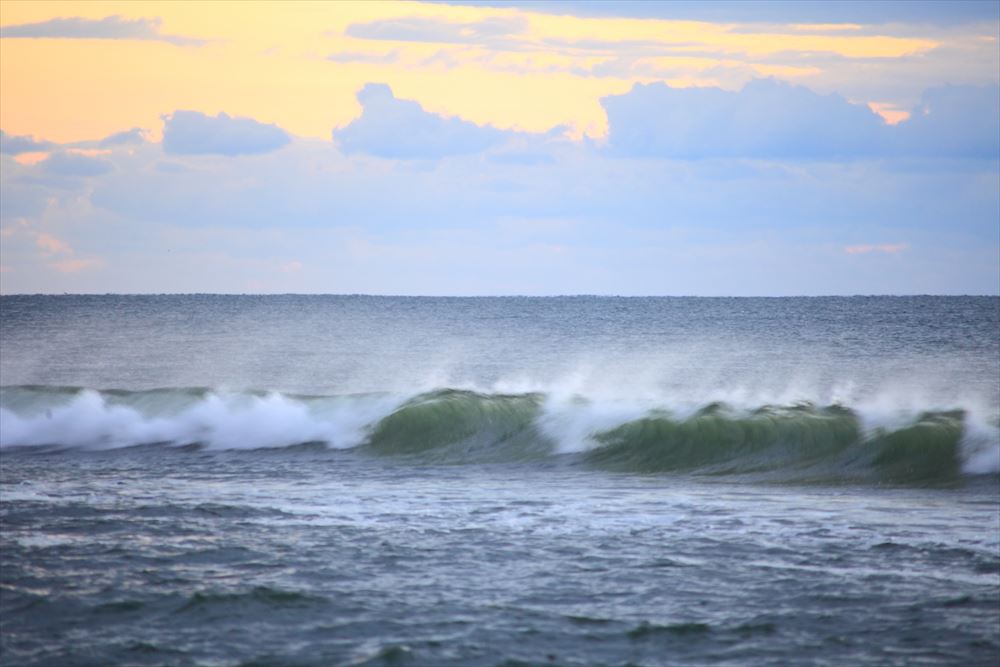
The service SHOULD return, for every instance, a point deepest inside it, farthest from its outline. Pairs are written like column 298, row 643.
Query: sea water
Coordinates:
column 359, row 480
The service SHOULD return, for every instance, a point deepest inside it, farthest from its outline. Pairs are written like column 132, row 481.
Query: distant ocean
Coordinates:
column 361, row 480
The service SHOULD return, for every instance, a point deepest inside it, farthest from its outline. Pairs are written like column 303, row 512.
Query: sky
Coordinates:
column 486, row 148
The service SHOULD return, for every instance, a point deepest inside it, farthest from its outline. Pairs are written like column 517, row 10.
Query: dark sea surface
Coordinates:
column 354, row 480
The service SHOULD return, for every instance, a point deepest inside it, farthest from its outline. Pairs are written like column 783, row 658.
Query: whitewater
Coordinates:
column 499, row 481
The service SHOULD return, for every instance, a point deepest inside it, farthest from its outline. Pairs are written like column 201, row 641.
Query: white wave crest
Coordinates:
column 218, row 420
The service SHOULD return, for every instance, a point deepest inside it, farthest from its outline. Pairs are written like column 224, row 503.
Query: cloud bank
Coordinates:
column 486, row 211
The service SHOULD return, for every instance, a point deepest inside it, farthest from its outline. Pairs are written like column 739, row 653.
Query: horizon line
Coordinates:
column 505, row 296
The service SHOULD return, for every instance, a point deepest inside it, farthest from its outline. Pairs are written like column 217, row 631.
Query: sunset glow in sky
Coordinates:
column 500, row 148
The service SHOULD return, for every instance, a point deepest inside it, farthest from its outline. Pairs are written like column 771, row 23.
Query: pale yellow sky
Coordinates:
column 269, row 61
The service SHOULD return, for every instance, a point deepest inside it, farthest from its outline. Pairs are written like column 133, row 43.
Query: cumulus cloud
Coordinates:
column 194, row 133
column 393, row 128
column 427, row 29
column 125, row 138
column 766, row 119
column 15, row 145
column 74, row 165
column 110, row 27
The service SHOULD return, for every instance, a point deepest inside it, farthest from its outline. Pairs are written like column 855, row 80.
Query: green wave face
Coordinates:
column 459, row 425
column 714, row 441
column 805, row 443
column 925, row 451
column 800, row 443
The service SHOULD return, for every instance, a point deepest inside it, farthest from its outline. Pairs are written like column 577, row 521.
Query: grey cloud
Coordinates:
column 933, row 12
column 110, row 27
column 524, row 159
column 309, row 190
column 194, row 133
column 74, row 165
column 954, row 121
column 124, row 138
column 393, row 128
column 767, row 119
column 15, row 145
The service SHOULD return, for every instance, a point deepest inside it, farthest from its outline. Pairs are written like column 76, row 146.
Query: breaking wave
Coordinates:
column 801, row 441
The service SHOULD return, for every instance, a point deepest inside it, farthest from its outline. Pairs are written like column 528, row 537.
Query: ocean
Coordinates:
column 508, row 481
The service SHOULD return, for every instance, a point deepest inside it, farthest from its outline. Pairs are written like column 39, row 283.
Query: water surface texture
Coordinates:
column 351, row 480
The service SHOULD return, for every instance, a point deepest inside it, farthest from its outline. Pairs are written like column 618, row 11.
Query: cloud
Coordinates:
column 15, row 145
column 74, row 265
column 393, row 128
column 523, row 158
column 593, row 222
column 887, row 248
column 934, row 12
column 194, row 133
column 425, row 29
column 52, row 246
column 370, row 58
column 74, row 165
column 126, row 138
column 766, row 119
column 110, row 27
column 956, row 121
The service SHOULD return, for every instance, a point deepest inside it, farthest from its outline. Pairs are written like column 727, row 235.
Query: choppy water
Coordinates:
column 217, row 480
